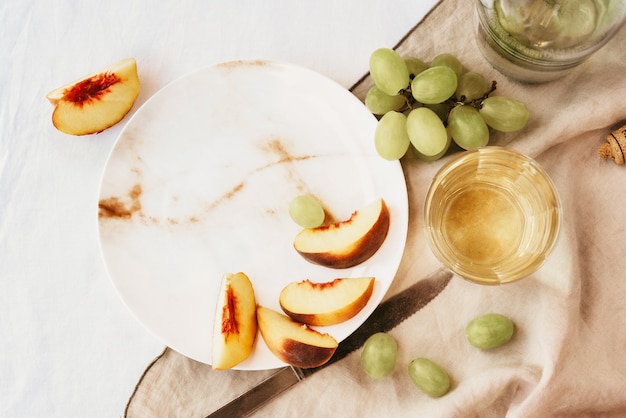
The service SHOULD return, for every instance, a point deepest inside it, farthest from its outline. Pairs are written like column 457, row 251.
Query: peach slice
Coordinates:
column 235, row 328
column 348, row 243
column 96, row 101
column 327, row 303
column 292, row 342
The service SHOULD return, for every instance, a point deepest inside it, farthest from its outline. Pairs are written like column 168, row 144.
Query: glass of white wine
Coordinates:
column 492, row 215
column 541, row 40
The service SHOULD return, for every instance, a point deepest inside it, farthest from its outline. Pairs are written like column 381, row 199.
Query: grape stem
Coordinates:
column 478, row 103
column 451, row 103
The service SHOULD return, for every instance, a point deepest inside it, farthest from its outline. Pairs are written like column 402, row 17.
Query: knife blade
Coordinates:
column 385, row 317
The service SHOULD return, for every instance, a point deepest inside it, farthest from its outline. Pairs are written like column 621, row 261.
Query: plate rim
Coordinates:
column 403, row 199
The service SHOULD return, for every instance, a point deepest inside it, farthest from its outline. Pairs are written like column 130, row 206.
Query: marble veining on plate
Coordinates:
column 199, row 182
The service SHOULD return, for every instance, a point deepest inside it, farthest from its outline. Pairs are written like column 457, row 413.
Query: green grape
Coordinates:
column 380, row 103
column 472, row 86
column 434, row 85
column 429, row 377
column 379, row 355
column 432, row 157
column 441, row 109
column 391, row 138
column 553, row 24
column 467, row 128
column 448, row 60
column 389, row 71
column 427, row 132
column 415, row 65
column 306, row 211
column 489, row 331
column 504, row 114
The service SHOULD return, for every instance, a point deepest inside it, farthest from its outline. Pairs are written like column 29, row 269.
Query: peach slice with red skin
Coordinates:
column 328, row 303
column 235, row 327
column 348, row 243
column 292, row 342
column 97, row 101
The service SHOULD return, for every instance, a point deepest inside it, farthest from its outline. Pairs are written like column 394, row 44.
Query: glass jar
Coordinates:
column 541, row 40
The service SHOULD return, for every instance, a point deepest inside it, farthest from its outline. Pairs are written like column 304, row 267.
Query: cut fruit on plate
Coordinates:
column 196, row 220
column 292, row 342
column 235, row 328
column 348, row 243
column 328, row 303
column 97, row 101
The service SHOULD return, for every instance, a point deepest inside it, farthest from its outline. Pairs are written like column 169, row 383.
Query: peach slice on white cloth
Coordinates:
column 97, row 101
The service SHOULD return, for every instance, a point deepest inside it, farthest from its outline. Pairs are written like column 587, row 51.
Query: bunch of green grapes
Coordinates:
column 427, row 106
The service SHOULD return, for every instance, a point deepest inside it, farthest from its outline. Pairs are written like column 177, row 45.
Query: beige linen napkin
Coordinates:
column 567, row 358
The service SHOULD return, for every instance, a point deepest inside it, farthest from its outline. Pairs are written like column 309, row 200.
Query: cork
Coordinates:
column 615, row 146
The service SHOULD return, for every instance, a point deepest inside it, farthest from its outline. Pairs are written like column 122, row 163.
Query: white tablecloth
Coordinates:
column 566, row 358
column 68, row 345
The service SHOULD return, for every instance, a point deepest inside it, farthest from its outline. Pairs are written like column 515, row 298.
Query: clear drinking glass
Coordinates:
column 492, row 215
column 540, row 40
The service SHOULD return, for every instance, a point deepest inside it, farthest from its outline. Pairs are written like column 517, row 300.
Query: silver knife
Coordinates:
column 384, row 318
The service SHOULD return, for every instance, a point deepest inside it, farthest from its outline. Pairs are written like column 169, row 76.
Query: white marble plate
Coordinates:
column 199, row 182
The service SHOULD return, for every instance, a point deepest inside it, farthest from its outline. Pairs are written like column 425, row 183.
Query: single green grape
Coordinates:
column 432, row 157
column 415, row 65
column 391, row 138
column 388, row 71
column 306, row 211
column 380, row 103
column 448, row 60
column 467, row 128
column 429, row 377
column 441, row 109
column 427, row 132
column 379, row 355
column 434, row 85
column 489, row 331
column 472, row 86
column 504, row 114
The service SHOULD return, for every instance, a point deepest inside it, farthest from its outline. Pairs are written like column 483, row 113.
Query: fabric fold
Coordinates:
column 566, row 358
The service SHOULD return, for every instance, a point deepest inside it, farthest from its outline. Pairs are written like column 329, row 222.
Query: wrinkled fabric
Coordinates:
column 69, row 346
column 566, row 358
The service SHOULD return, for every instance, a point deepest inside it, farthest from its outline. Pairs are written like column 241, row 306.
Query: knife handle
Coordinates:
column 249, row 401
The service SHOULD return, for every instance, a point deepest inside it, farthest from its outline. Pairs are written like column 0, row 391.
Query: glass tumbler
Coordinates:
column 492, row 215
column 537, row 41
